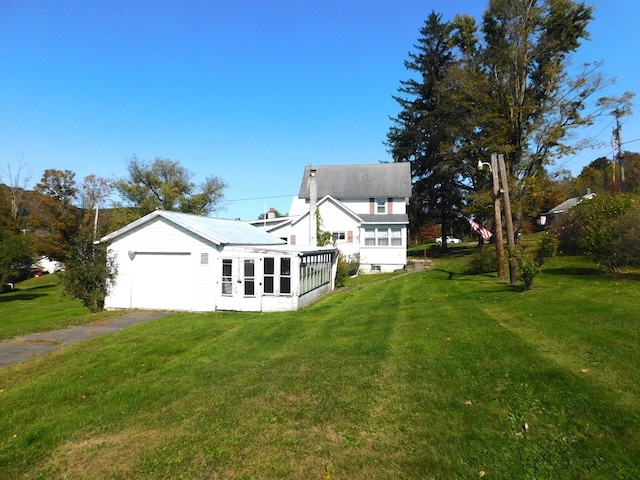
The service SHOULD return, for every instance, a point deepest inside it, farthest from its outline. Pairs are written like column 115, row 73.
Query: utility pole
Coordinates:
column 513, row 273
column 497, row 215
column 497, row 212
column 616, row 147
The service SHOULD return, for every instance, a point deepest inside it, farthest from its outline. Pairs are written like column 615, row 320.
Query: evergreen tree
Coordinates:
column 422, row 132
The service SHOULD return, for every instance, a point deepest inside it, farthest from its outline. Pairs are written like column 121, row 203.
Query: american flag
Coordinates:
column 480, row 229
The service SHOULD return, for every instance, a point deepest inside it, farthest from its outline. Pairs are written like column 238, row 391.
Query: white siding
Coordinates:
column 159, row 268
column 388, row 258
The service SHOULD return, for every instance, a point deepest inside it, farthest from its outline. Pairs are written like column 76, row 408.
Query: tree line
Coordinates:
column 503, row 85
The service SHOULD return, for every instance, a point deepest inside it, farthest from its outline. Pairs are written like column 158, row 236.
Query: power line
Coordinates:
column 258, row 198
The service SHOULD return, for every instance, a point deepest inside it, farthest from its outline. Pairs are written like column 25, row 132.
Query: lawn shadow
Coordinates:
column 574, row 271
column 469, row 277
column 632, row 277
column 22, row 295
column 436, row 251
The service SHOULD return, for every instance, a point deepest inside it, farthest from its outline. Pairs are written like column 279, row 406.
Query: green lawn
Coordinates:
column 435, row 374
column 38, row 305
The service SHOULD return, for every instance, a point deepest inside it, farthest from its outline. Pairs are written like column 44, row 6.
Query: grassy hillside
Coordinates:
column 430, row 375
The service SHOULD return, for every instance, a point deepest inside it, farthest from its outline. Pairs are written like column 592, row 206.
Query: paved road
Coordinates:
column 23, row 348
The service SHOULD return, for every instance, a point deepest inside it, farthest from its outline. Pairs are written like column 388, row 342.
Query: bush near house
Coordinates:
column 346, row 267
column 89, row 272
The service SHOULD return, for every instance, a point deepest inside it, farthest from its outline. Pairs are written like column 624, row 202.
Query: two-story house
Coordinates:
column 364, row 207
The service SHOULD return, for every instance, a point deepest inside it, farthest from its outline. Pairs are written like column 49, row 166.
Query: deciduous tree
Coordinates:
column 15, row 255
column 167, row 185
column 58, row 219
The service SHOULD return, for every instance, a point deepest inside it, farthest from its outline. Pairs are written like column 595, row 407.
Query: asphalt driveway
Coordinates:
column 23, row 348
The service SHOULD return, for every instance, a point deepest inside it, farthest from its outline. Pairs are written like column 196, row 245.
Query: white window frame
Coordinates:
column 396, row 237
column 382, row 237
column 339, row 236
column 227, row 279
column 369, row 237
column 249, row 280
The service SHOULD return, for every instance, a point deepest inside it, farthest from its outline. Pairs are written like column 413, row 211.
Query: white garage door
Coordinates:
column 161, row 281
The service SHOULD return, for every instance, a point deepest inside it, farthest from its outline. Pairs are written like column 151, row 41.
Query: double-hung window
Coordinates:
column 227, row 282
column 285, row 275
column 382, row 236
column 269, row 274
column 396, row 237
column 249, row 278
column 370, row 237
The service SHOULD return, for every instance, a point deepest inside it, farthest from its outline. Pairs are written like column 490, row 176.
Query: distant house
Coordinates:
column 176, row 261
column 547, row 219
column 364, row 207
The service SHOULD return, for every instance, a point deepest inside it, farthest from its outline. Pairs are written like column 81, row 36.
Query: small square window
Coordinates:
column 339, row 236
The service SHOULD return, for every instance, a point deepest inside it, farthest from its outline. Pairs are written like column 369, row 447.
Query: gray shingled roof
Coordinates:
column 360, row 181
column 399, row 218
column 216, row 230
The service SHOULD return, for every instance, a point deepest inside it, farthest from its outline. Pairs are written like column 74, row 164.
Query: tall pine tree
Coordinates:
column 422, row 132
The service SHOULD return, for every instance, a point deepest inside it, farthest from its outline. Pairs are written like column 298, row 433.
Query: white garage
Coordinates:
column 176, row 261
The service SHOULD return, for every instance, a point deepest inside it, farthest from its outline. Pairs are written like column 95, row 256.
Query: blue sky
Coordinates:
column 248, row 90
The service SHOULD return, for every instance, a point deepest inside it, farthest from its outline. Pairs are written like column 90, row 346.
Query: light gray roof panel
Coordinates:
column 360, row 181
column 216, row 230
column 570, row 203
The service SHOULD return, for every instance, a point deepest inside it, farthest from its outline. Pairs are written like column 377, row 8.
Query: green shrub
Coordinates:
column 603, row 229
column 347, row 267
column 526, row 264
column 89, row 273
column 529, row 264
column 547, row 247
column 484, row 260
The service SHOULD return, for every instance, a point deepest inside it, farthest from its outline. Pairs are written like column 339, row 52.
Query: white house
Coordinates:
column 177, row 261
column 363, row 206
